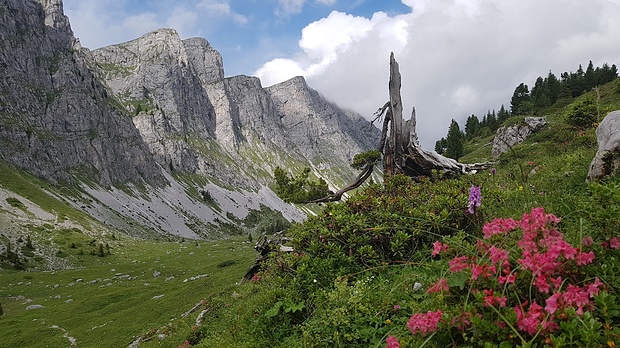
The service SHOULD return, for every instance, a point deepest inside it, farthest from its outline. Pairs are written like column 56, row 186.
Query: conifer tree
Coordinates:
column 472, row 125
column 520, row 102
column 502, row 114
column 553, row 88
column 440, row 146
column 454, row 141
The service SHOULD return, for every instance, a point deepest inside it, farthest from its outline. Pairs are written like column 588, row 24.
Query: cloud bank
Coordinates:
column 457, row 57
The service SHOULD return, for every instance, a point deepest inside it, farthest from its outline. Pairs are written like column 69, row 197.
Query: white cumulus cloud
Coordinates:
column 456, row 57
column 221, row 8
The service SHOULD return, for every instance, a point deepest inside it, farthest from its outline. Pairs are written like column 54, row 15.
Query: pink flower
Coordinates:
column 540, row 282
column 498, row 226
column 583, row 259
column 424, row 323
column 396, row 308
column 458, row 264
column 462, row 321
column 557, row 282
column 594, row 287
column 510, row 278
column 438, row 286
column 587, row 241
column 439, row 248
column 614, row 243
column 498, row 255
column 490, row 299
column 483, row 270
column 576, row 297
column 392, row 342
column 552, row 303
column 531, row 320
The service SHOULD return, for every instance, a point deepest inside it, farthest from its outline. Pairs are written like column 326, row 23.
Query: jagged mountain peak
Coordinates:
column 294, row 81
column 55, row 16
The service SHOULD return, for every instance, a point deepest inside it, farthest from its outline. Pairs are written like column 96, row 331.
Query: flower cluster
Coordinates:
column 392, row 342
column 536, row 278
column 475, row 199
column 424, row 323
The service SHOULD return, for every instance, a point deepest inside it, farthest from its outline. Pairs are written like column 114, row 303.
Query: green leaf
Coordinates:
column 274, row 310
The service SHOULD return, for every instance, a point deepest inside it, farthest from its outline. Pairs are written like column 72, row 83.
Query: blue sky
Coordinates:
column 457, row 57
column 246, row 32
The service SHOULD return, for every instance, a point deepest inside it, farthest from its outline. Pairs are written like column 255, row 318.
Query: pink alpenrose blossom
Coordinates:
column 392, row 342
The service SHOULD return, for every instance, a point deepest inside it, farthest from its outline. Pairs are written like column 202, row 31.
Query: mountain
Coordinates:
column 149, row 137
column 195, row 120
column 57, row 118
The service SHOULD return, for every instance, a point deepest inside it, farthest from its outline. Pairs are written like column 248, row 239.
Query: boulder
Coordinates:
column 506, row 137
column 607, row 159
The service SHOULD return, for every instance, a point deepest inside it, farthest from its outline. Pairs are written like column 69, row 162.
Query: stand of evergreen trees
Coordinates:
column 546, row 92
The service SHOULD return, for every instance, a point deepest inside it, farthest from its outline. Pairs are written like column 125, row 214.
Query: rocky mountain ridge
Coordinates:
column 192, row 117
column 156, row 138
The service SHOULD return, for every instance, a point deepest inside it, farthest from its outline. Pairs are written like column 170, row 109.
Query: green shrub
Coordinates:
column 387, row 223
column 15, row 203
column 582, row 113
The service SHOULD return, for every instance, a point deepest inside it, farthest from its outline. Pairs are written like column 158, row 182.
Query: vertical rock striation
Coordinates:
column 229, row 129
column 56, row 117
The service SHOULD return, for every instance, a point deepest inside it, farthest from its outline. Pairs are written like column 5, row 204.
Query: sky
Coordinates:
column 456, row 57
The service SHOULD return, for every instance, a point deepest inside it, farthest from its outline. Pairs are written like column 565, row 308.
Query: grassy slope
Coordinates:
column 104, row 310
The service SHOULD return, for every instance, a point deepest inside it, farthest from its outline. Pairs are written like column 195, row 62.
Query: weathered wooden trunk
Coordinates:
column 402, row 151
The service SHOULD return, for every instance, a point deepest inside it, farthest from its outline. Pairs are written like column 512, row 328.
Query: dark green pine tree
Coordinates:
column 589, row 77
column 520, row 102
column 472, row 125
column 539, row 95
column 454, row 141
column 440, row 146
column 492, row 120
column 502, row 114
column 553, row 88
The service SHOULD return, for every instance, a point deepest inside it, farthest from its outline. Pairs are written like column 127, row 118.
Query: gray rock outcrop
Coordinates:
column 607, row 159
column 195, row 120
column 506, row 137
column 56, row 118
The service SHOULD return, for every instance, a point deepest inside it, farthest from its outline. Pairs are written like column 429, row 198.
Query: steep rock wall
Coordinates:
column 56, row 118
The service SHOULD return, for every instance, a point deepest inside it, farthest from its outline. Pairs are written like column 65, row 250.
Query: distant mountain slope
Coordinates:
column 195, row 120
column 56, row 118
column 148, row 137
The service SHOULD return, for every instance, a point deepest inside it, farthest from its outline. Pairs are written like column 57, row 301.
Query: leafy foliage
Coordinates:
column 362, row 159
column 299, row 189
column 583, row 113
column 386, row 223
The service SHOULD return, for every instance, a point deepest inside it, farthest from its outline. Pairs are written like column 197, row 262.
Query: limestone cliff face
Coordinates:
column 137, row 112
column 196, row 120
column 56, row 118
column 321, row 129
